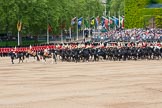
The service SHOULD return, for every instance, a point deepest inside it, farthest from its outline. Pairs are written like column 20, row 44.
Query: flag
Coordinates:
column 86, row 23
column 116, row 21
column 120, row 20
column 105, row 22
column 111, row 22
column 92, row 21
column 80, row 22
column 97, row 21
column 49, row 28
column 19, row 25
column 73, row 21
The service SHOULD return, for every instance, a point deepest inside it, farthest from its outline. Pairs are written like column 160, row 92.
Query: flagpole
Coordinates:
column 123, row 22
column 61, row 36
column 97, row 23
column 83, row 28
column 119, row 18
column 61, row 31
column 47, row 35
column 105, row 8
column 109, row 20
column 70, row 33
column 94, row 30
column 18, row 34
column 77, row 30
column 89, row 27
column 47, row 32
column 114, row 22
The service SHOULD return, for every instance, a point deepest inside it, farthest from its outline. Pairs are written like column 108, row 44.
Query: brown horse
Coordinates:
column 32, row 54
column 48, row 54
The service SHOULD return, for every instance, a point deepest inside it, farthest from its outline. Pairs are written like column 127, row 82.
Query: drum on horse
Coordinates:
column 48, row 54
column 45, row 54
column 31, row 53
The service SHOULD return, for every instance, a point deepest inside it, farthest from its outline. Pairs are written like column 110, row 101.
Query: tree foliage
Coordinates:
column 115, row 6
column 35, row 14
column 158, row 21
column 137, row 15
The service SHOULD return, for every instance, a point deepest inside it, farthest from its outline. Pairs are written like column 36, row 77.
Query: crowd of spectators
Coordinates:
column 130, row 35
column 119, row 35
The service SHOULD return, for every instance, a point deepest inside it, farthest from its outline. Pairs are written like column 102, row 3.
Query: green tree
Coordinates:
column 115, row 6
column 35, row 14
column 158, row 21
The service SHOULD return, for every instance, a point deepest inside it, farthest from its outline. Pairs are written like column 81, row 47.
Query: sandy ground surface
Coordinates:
column 130, row 84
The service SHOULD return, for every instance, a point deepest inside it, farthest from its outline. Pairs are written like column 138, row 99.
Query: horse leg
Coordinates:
column 12, row 60
column 44, row 58
column 37, row 58
column 52, row 60
column 22, row 60
column 19, row 59
column 94, row 58
column 55, row 57
column 28, row 58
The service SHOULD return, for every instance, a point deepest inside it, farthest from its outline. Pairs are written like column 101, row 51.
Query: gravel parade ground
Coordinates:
column 104, row 84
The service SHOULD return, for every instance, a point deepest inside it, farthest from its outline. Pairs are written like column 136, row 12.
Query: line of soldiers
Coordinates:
column 79, row 45
column 91, row 51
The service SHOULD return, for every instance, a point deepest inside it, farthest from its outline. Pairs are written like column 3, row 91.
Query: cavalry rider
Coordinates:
column 46, row 51
column 13, row 55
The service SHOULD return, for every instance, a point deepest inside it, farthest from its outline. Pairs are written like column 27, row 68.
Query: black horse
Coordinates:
column 54, row 55
column 13, row 56
column 19, row 55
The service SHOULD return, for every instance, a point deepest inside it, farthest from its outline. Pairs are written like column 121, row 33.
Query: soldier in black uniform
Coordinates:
column 12, row 55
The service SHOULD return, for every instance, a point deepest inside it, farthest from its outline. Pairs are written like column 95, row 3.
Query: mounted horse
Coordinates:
column 19, row 55
column 13, row 56
column 48, row 54
column 30, row 53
